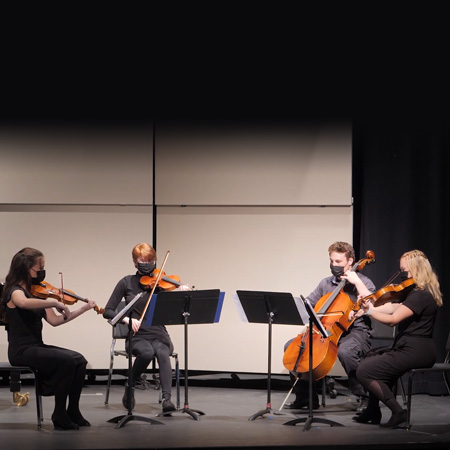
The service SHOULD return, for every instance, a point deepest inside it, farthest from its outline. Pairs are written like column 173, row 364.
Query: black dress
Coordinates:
column 56, row 365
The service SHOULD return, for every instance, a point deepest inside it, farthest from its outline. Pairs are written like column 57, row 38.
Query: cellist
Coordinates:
column 353, row 343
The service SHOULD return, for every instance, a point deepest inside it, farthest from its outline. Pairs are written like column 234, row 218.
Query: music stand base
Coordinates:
column 265, row 411
column 309, row 420
column 192, row 412
column 124, row 419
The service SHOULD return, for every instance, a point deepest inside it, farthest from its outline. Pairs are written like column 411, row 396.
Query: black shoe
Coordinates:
column 369, row 416
column 65, row 423
column 168, row 406
column 396, row 420
column 299, row 404
column 78, row 419
column 125, row 398
column 83, row 422
column 363, row 404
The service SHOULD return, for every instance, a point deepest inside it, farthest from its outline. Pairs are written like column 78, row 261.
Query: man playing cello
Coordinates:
column 356, row 341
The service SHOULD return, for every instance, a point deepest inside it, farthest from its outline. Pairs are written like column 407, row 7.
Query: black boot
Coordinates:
column 369, row 415
column 300, row 403
column 167, row 405
column 363, row 404
column 64, row 422
column 125, row 397
column 396, row 420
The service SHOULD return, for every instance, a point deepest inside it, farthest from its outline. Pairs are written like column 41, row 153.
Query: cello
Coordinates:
column 334, row 310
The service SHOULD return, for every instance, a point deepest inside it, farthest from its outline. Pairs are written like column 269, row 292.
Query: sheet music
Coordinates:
column 123, row 311
column 302, row 310
column 239, row 308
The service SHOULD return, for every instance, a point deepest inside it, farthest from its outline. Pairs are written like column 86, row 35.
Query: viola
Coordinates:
column 165, row 283
column 45, row 290
column 334, row 311
column 391, row 292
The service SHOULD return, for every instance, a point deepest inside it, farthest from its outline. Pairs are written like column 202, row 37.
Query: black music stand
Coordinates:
column 123, row 419
column 313, row 320
column 186, row 307
column 269, row 307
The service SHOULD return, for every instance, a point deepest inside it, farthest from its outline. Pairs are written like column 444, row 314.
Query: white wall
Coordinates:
column 249, row 207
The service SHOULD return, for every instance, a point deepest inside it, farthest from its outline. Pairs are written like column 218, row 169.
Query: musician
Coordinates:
column 413, row 345
column 61, row 371
column 353, row 343
column 148, row 341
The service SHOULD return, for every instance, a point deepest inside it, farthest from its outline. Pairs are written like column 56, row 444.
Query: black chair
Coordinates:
column 443, row 368
column 7, row 367
column 120, row 332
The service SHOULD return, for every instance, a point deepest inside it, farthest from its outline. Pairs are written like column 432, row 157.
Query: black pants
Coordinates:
column 145, row 350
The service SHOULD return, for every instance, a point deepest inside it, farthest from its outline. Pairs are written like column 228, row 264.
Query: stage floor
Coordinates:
column 225, row 423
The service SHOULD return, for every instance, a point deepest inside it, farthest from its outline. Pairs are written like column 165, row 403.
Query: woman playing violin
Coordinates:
column 61, row 371
column 148, row 341
column 354, row 342
column 413, row 345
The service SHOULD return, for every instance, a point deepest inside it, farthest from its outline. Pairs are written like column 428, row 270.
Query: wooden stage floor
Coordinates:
column 224, row 425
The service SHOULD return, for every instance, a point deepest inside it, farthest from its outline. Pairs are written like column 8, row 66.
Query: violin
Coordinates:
column 45, row 290
column 391, row 292
column 165, row 283
column 334, row 310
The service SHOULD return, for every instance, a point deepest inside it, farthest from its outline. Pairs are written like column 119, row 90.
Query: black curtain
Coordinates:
column 401, row 200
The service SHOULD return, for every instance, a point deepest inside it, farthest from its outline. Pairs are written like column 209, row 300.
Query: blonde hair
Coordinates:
column 144, row 250
column 423, row 274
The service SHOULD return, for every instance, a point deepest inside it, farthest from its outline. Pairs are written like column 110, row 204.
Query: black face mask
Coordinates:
column 403, row 275
column 146, row 267
column 40, row 277
column 337, row 271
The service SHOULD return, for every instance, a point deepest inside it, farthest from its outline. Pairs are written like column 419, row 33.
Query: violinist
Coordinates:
column 148, row 341
column 413, row 345
column 61, row 371
column 355, row 342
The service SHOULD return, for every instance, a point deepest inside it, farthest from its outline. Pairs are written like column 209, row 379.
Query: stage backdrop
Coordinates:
column 252, row 206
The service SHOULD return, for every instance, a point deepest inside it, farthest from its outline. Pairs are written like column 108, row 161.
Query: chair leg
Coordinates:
column 40, row 415
column 402, row 388
column 324, row 390
column 408, row 407
column 111, row 365
column 444, row 374
column 177, row 379
column 108, row 386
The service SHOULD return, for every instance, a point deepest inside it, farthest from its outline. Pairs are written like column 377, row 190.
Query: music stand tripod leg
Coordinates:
column 124, row 419
column 310, row 419
column 268, row 409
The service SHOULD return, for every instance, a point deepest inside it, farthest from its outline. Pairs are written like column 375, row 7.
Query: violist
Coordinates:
column 61, row 371
column 413, row 345
column 148, row 341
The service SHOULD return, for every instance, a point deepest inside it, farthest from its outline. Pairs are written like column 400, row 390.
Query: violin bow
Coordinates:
column 62, row 292
column 154, row 287
column 392, row 278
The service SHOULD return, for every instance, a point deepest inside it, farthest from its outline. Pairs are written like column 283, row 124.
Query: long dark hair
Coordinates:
column 19, row 272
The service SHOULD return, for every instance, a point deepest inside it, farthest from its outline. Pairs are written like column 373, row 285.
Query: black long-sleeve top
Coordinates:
column 127, row 288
